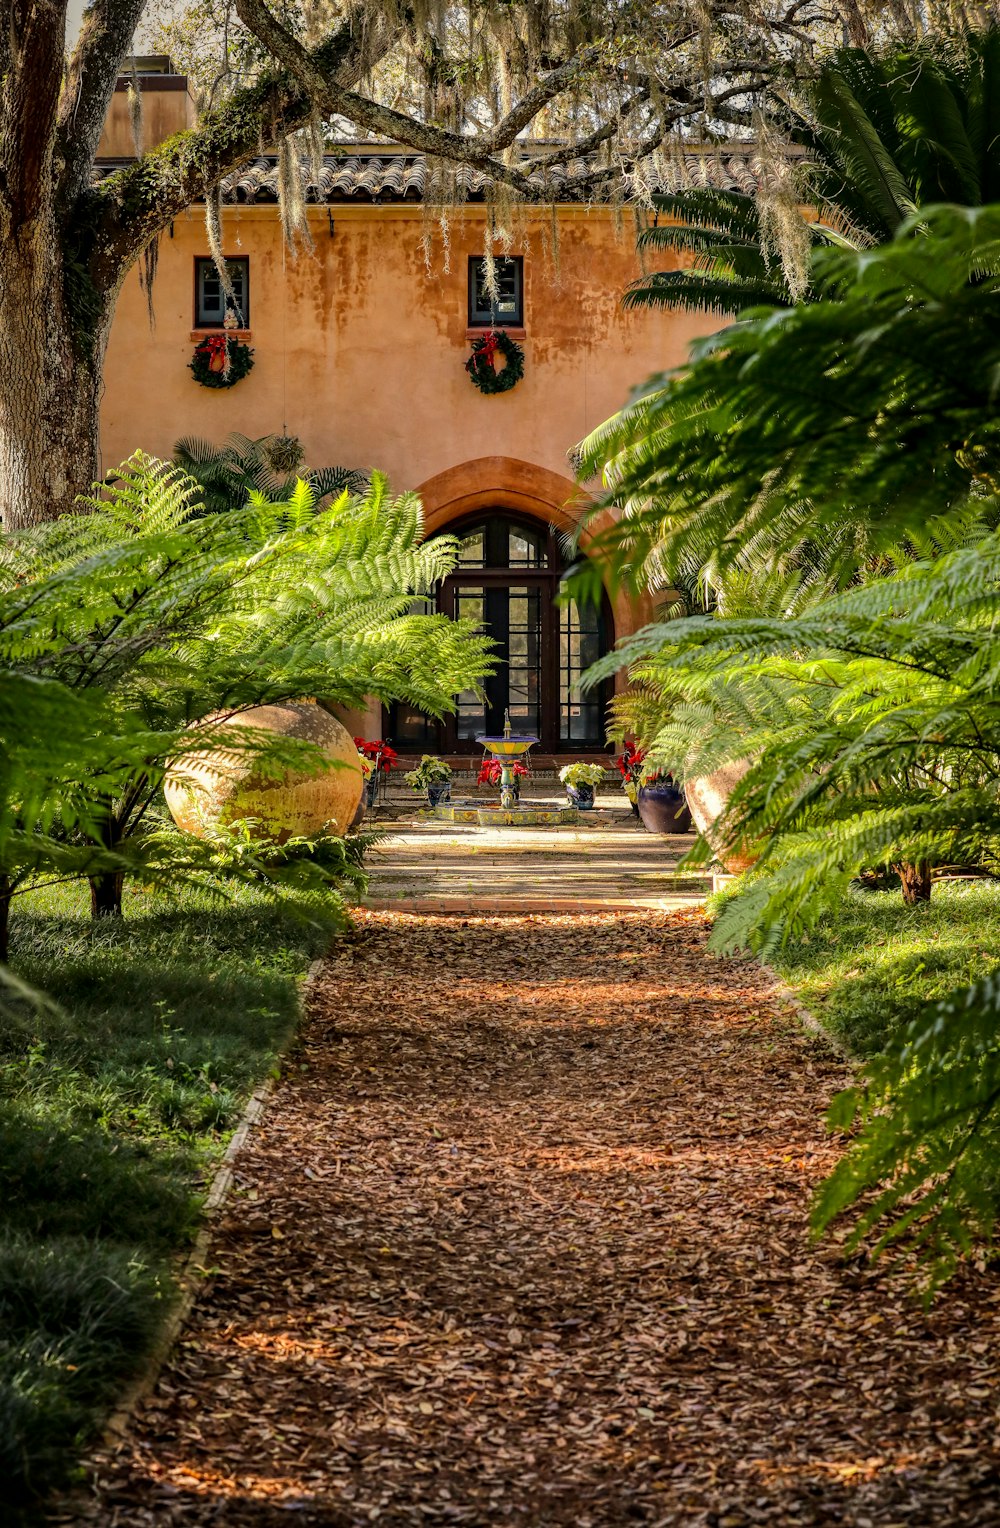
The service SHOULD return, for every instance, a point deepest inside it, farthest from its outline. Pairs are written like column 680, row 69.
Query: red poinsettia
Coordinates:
column 630, row 761
column 490, row 772
column 381, row 755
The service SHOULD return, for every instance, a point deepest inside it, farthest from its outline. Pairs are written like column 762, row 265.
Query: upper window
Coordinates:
column 210, row 300
column 502, row 543
column 506, row 306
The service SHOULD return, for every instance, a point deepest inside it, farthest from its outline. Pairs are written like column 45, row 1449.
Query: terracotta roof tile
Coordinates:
column 395, row 176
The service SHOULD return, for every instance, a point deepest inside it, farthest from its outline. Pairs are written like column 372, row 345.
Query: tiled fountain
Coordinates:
column 506, row 750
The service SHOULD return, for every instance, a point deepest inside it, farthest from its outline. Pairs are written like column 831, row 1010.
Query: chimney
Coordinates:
column 167, row 107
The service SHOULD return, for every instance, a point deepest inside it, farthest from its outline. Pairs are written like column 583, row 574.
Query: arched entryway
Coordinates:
column 507, row 578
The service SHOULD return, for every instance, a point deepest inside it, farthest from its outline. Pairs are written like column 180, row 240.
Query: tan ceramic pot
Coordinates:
column 210, row 789
column 708, row 796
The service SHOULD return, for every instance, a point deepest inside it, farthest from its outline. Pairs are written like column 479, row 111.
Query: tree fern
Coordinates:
column 872, row 724
column 892, row 374
column 170, row 619
column 837, row 494
column 922, row 1174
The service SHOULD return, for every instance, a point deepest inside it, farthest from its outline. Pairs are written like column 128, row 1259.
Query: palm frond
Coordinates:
column 695, row 291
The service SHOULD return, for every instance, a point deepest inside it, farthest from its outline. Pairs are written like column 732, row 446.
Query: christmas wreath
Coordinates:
column 480, row 363
column 220, row 361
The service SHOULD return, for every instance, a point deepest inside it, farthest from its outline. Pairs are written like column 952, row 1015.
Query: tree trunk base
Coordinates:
column 916, row 881
column 106, row 895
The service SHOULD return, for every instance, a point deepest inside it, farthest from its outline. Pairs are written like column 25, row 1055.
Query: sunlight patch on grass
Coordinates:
column 871, row 966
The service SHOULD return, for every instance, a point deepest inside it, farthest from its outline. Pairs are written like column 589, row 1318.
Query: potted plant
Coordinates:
column 490, row 771
column 581, row 781
column 366, row 770
column 661, row 803
column 432, row 775
column 382, row 758
column 629, row 765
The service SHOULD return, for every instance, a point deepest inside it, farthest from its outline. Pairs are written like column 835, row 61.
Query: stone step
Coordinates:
column 479, row 906
column 425, row 864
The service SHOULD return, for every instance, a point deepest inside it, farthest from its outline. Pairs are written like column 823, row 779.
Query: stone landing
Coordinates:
column 607, row 862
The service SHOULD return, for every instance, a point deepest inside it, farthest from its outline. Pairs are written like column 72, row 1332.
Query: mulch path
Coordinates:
column 522, row 1240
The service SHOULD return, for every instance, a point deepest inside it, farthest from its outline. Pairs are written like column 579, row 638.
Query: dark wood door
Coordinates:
column 506, row 582
column 519, row 613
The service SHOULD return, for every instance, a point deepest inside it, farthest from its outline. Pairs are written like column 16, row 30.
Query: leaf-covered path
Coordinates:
column 522, row 1240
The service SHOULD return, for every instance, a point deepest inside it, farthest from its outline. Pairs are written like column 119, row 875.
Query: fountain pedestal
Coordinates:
column 506, row 750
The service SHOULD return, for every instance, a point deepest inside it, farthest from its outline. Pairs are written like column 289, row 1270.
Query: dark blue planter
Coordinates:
column 663, row 809
column 438, row 791
column 581, row 796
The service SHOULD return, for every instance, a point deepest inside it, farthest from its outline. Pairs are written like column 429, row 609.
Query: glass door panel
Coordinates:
column 410, row 730
column 526, row 549
column 524, row 658
column 470, row 710
column 580, row 644
column 512, row 616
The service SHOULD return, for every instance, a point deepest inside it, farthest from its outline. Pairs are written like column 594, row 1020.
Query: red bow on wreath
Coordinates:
column 216, row 347
column 485, row 351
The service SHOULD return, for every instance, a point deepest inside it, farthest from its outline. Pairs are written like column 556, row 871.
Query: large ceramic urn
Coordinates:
column 207, row 790
column 708, row 797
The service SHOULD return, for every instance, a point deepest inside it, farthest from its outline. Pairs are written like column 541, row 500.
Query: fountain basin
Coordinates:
column 505, row 751
column 491, row 815
column 527, row 817
column 508, row 747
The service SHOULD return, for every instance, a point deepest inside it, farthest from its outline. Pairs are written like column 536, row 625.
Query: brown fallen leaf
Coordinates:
column 636, row 1329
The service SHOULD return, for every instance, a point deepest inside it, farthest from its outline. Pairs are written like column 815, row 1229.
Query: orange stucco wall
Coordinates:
column 360, row 347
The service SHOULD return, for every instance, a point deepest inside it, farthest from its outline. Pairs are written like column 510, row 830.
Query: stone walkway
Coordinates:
column 523, row 1240
column 607, row 862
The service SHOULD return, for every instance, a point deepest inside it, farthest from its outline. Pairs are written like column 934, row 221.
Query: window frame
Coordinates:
column 203, row 262
column 477, row 317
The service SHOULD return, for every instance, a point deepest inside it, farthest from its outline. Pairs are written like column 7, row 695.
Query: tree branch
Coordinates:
column 583, row 146
column 132, row 205
column 283, row 45
column 104, row 41
column 436, row 141
column 136, row 202
column 267, row 29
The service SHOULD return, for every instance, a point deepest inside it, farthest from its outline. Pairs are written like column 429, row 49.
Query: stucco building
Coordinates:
column 360, row 347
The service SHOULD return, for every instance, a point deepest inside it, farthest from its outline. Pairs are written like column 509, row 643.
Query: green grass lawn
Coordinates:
column 114, row 1110
column 870, row 966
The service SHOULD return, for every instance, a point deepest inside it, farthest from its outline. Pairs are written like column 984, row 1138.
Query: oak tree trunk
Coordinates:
column 51, row 353
column 916, row 879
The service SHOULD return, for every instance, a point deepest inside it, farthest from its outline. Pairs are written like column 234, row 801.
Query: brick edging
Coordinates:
column 808, row 1019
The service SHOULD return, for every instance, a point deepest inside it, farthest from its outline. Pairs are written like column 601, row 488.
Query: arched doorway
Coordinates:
column 506, row 581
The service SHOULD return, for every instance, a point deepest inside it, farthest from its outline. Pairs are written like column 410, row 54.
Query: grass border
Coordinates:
column 190, row 1280
column 808, row 1019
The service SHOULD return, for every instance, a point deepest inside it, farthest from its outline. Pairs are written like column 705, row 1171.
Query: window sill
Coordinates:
column 234, row 334
column 516, row 331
